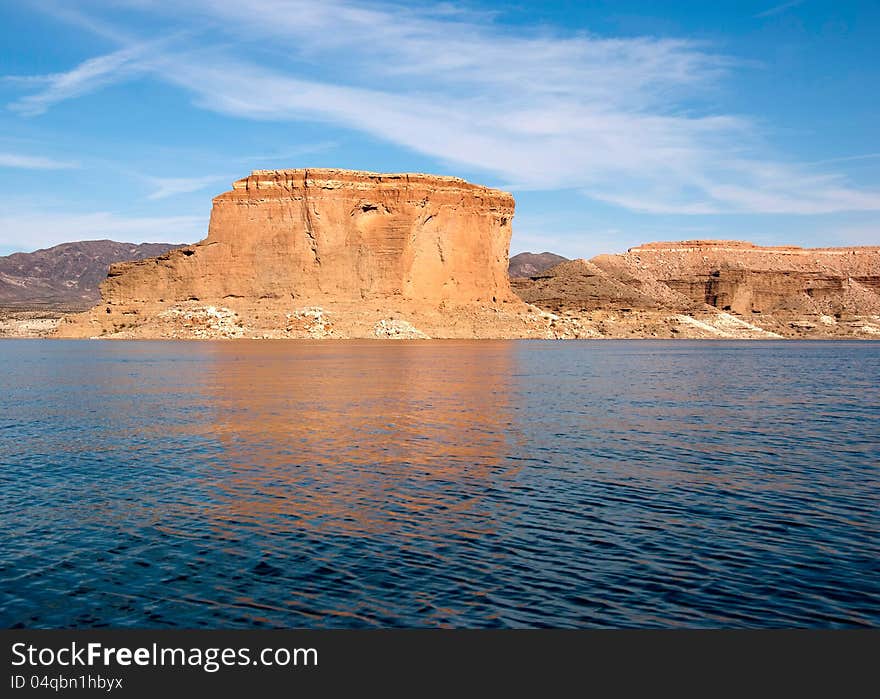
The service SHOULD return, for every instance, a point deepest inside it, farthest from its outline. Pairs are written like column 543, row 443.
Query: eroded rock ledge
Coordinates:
column 714, row 289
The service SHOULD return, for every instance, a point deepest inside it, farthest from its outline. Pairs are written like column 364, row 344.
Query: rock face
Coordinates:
column 714, row 289
column 748, row 279
column 315, row 253
column 65, row 277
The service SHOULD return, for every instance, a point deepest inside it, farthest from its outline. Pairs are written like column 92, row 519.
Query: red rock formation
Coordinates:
column 714, row 289
column 749, row 279
column 361, row 247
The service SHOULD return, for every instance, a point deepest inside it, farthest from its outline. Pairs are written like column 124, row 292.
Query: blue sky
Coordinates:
column 613, row 123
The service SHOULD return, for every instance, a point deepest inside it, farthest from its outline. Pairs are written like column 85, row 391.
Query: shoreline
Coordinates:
column 44, row 325
column 422, row 340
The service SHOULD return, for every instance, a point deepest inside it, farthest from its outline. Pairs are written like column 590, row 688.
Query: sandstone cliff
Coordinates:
column 725, row 289
column 328, row 253
column 749, row 279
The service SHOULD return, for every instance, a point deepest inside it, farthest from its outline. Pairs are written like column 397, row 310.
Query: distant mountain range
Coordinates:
column 529, row 264
column 66, row 277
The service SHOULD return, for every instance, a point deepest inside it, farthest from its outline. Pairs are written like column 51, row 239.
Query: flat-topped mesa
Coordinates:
column 284, row 239
column 314, row 235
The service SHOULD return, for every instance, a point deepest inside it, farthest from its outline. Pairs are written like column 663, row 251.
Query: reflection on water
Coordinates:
column 439, row 484
column 370, row 438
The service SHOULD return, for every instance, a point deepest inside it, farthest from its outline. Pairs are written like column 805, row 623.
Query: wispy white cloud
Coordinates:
column 847, row 158
column 34, row 162
column 164, row 187
column 86, row 77
column 89, row 76
column 29, row 230
column 616, row 118
column 778, row 9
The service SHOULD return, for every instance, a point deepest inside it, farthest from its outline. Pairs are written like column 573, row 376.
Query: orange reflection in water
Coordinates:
column 361, row 437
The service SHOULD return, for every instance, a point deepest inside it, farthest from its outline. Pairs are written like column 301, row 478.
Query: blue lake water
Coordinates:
column 419, row 484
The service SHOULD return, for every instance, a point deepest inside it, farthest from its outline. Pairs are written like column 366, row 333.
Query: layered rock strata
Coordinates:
column 723, row 289
column 748, row 279
column 327, row 253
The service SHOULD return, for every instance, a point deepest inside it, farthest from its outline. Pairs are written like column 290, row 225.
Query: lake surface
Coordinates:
column 439, row 483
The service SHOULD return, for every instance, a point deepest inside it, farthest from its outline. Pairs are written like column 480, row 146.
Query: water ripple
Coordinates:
column 448, row 484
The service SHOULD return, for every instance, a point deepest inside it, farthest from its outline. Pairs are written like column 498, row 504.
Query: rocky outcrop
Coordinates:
column 724, row 289
column 748, row 279
column 33, row 324
column 403, row 255
column 584, row 286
